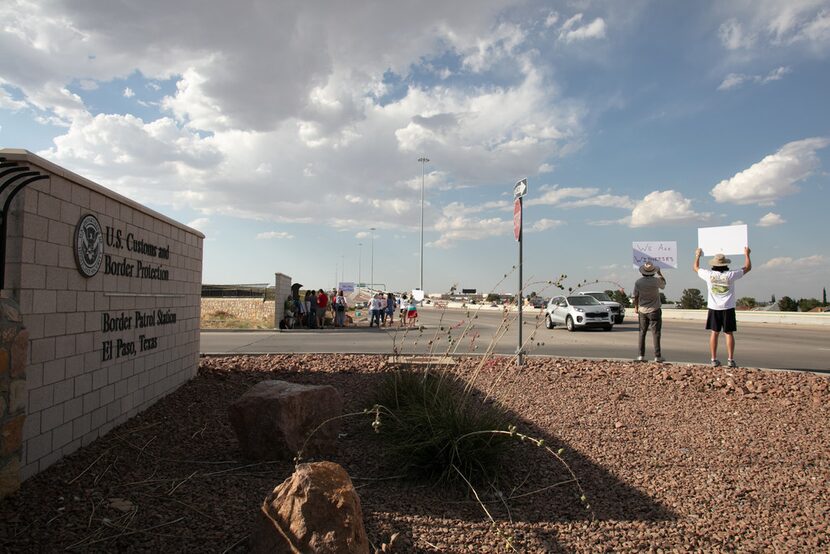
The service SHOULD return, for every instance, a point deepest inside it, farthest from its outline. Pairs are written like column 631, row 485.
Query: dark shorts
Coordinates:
column 722, row 320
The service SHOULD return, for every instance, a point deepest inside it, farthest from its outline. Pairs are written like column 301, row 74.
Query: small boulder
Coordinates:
column 274, row 418
column 315, row 510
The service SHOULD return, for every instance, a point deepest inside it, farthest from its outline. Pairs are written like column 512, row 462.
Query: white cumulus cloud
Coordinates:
column 775, row 176
column 734, row 80
column 667, row 207
column 544, row 224
column 572, row 30
column 771, row 219
column 274, row 235
column 786, row 262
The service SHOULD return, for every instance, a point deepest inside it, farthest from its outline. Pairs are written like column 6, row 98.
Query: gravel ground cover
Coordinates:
column 671, row 458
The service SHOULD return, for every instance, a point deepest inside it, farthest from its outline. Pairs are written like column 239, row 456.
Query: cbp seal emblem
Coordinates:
column 89, row 245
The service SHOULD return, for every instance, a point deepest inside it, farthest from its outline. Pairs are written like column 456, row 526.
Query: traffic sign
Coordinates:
column 520, row 189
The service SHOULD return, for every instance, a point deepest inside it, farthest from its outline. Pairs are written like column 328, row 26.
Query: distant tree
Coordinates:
column 663, row 299
column 692, row 299
column 621, row 297
column 493, row 297
column 807, row 304
column 787, row 304
column 824, row 296
column 772, row 300
column 747, row 302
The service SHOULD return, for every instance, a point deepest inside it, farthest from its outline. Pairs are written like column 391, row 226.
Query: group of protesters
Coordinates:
column 382, row 310
column 311, row 310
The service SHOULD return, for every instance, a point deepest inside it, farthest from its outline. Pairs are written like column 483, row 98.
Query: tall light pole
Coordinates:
column 359, row 261
column 423, row 160
column 372, row 270
column 342, row 269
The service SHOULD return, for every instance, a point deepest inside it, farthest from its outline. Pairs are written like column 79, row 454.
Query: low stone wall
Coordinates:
column 253, row 309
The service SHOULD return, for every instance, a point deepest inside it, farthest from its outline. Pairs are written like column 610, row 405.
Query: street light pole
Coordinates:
column 372, row 270
column 423, row 160
column 359, row 261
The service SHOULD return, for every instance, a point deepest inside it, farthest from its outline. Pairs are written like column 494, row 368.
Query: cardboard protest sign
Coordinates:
column 730, row 239
column 662, row 254
column 346, row 287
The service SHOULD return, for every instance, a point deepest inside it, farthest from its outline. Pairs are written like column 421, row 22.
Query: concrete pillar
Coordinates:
column 282, row 290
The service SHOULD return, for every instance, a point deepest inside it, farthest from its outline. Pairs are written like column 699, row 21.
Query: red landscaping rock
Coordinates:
column 274, row 420
column 315, row 510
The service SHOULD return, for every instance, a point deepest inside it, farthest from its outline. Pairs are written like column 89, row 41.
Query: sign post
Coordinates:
column 518, row 192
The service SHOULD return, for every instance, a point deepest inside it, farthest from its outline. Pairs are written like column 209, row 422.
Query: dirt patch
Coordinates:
column 688, row 459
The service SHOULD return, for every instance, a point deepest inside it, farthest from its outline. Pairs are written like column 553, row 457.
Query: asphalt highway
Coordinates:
column 765, row 345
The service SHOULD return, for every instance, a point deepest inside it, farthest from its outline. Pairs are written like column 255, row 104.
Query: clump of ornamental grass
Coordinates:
column 433, row 430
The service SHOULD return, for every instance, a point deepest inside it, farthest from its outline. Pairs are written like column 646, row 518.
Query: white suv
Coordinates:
column 617, row 310
column 577, row 311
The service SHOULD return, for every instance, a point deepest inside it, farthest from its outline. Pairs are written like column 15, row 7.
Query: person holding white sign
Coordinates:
column 647, row 306
column 721, row 301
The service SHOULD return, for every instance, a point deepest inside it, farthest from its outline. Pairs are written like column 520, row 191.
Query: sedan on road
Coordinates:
column 578, row 311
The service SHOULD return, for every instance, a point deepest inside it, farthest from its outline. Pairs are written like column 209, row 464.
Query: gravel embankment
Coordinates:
column 671, row 459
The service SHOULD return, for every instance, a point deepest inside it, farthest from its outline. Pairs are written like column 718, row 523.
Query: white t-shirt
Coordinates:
column 721, row 287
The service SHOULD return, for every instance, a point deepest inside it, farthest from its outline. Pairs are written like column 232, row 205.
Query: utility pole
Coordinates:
column 372, row 267
column 423, row 160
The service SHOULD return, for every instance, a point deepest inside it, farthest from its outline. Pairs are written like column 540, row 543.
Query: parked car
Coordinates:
column 577, row 311
column 538, row 302
column 617, row 309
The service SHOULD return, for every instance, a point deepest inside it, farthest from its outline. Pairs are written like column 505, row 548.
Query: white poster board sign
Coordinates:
column 662, row 254
column 417, row 294
column 346, row 287
column 730, row 239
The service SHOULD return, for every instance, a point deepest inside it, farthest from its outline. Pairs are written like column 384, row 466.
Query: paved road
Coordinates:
column 758, row 345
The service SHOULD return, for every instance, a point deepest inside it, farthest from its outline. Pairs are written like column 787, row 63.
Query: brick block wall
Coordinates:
column 86, row 372
column 14, row 340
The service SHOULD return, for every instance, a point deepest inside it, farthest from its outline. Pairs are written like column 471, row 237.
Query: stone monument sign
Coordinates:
column 108, row 292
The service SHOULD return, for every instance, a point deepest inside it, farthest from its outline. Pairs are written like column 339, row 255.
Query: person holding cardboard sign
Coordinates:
column 720, row 283
column 647, row 306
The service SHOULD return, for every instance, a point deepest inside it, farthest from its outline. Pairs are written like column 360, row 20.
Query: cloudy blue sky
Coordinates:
column 286, row 130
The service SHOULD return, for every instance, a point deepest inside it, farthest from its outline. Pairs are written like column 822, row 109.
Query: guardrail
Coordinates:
column 745, row 316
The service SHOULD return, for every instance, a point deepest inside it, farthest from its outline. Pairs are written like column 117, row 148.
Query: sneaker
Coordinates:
column 731, row 363
column 715, row 363
column 659, row 360
column 640, row 359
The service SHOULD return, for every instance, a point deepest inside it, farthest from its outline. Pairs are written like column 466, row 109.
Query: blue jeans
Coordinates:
column 375, row 317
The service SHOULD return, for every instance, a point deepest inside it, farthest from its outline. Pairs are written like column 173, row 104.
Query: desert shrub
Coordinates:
column 426, row 426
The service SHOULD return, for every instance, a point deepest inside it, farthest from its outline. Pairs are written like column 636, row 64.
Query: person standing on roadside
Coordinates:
column 375, row 307
column 322, row 306
column 391, row 306
column 648, row 307
column 403, row 303
column 411, row 312
column 340, row 309
column 720, row 283
column 310, row 309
